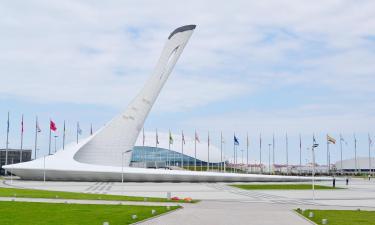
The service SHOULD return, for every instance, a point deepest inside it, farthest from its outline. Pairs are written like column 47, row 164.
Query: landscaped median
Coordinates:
column 26, row 213
column 281, row 187
column 32, row 193
column 339, row 217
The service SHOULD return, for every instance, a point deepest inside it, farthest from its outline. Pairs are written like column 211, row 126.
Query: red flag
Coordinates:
column 52, row 126
column 22, row 124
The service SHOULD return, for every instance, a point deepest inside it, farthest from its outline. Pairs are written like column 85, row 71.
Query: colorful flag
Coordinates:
column 143, row 136
column 235, row 139
column 157, row 137
column 197, row 138
column 331, row 139
column 342, row 139
column 79, row 130
column 369, row 140
column 8, row 124
column 22, row 124
column 52, row 126
column 315, row 145
column 37, row 126
column 170, row 138
column 208, row 138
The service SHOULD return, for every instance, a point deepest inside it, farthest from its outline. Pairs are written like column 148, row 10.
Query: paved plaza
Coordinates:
column 222, row 204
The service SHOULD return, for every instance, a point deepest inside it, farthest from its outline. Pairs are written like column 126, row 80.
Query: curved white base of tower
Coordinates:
column 62, row 166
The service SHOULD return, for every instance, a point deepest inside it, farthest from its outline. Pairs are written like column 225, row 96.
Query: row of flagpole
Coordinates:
column 52, row 128
column 330, row 140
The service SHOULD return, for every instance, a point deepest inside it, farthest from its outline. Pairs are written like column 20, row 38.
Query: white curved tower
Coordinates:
column 119, row 135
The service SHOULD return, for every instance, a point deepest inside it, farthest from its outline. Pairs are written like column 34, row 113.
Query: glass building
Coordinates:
column 151, row 157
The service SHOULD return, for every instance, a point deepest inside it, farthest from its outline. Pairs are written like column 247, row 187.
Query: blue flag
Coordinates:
column 235, row 139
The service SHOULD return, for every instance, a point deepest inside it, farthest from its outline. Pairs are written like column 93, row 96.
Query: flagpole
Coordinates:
column 208, row 150
column 143, row 144
column 7, row 145
column 273, row 153
column 195, row 150
column 64, row 136
column 328, row 166
column 49, row 142
column 355, row 153
column 77, row 131
column 234, row 153
column 21, row 139
column 287, row 156
column 300, row 153
column 247, row 150
column 169, row 146
column 369, row 154
column 156, row 146
column 221, row 151
column 341, row 153
column 260, row 152
column 182, row 149
column 269, row 158
column 36, row 136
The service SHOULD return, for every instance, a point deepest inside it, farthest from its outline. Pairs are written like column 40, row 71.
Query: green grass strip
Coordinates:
column 26, row 213
column 31, row 193
column 341, row 217
column 281, row 187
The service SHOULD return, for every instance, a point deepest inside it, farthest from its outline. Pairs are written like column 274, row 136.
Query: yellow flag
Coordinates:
column 331, row 139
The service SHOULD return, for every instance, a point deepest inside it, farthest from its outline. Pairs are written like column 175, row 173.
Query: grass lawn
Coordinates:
column 341, row 217
column 27, row 213
column 31, row 193
column 281, row 187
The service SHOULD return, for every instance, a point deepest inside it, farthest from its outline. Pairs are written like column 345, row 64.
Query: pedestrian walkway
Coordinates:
column 99, row 188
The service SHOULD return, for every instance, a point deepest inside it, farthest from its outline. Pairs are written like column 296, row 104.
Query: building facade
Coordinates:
column 14, row 156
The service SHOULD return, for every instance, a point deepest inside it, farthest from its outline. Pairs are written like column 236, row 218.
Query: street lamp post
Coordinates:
column 315, row 145
column 122, row 165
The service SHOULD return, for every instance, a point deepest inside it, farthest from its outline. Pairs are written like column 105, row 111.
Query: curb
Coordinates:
column 308, row 220
column 154, row 217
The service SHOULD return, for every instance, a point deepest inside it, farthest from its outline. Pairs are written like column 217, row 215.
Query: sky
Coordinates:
column 256, row 67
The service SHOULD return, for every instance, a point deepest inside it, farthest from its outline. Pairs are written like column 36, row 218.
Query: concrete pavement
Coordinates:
column 222, row 204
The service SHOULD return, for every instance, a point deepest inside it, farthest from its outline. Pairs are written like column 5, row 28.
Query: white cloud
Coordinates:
column 101, row 52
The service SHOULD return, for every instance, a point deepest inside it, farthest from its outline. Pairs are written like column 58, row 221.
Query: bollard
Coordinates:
column 324, row 221
column 153, row 211
column 169, row 195
column 311, row 214
column 105, row 223
column 134, row 217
